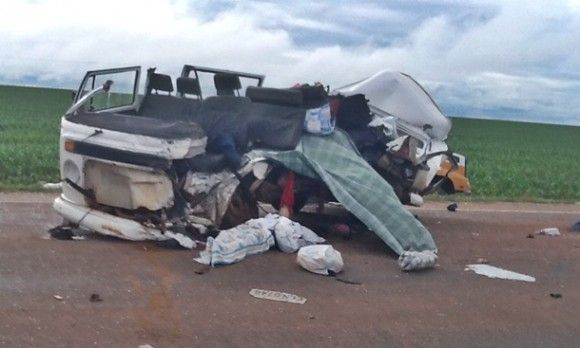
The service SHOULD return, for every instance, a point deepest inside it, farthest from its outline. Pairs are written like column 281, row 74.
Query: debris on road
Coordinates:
column 61, row 232
column 58, row 297
column 452, row 207
column 95, row 298
column 182, row 239
column 291, row 236
column 202, row 270
column 67, row 232
column 555, row 295
column 348, row 281
column 417, row 260
column 482, row 260
column 530, row 235
column 234, row 244
column 550, row 231
column 320, row 259
column 277, row 296
column 499, row 273
column 341, row 229
column 256, row 236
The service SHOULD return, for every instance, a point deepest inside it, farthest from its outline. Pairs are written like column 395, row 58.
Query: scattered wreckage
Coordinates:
column 175, row 164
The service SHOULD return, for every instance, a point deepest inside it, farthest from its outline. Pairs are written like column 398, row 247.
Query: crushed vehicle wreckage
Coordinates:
column 165, row 165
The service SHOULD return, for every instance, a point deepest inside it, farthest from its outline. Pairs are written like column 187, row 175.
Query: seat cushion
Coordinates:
column 167, row 107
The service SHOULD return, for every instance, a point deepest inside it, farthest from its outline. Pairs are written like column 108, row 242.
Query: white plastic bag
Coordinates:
column 291, row 236
column 320, row 259
column 319, row 120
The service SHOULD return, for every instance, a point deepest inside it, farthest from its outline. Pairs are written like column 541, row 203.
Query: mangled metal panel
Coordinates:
column 401, row 96
column 128, row 188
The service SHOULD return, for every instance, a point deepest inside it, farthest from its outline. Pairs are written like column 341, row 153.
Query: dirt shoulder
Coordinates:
column 156, row 296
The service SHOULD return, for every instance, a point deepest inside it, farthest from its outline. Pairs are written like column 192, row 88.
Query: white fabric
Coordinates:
column 320, row 259
column 291, row 236
column 233, row 245
column 417, row 260
column 401, row 96
column 256, row 236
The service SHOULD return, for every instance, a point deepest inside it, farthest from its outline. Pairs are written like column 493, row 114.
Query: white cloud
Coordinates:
column 521, row 56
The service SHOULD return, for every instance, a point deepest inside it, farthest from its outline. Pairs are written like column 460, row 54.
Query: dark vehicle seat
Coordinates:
column 224, row 114
column 277, row 96
column 160, row 82
column 167, row 106
column 251, row 124
column 304, row 96
column 227, row 84
column 188, row 86
column 313, row 96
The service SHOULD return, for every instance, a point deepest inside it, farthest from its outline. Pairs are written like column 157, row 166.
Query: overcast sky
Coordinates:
column 497, row 59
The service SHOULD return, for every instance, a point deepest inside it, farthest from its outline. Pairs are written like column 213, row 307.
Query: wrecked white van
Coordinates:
column 140, row 165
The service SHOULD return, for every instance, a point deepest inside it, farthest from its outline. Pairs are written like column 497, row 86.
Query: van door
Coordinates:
column 123, row 97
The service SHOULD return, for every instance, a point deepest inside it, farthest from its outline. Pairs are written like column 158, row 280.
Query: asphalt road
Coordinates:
column 154, row 296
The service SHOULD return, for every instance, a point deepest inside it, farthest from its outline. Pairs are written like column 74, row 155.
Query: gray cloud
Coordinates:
column 487, row 58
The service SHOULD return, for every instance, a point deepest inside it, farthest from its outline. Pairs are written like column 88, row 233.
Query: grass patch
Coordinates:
column 509, row 161
column 29, row 134
column 519, row 161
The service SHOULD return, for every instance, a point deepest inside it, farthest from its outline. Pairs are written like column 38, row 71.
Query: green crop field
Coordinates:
column 506, row 160
column 29, row 131
column 519, row 161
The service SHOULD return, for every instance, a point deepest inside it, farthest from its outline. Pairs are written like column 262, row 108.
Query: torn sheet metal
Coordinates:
column 499, row 273
column 104, row 223
column 126, row 187
column 400, row 95
column 214, row 190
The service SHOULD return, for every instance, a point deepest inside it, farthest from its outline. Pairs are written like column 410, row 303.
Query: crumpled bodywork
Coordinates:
column 128, row 188
column 167, row 162
column 400, row 95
